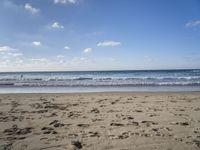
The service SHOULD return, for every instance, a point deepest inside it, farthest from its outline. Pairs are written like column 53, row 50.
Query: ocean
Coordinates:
column 100, row 81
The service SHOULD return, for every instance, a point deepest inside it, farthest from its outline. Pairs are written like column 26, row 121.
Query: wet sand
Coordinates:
column 100, row 121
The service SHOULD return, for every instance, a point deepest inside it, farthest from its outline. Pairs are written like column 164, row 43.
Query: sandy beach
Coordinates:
column 100, row 121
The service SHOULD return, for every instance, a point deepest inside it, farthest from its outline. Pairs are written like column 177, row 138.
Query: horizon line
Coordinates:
column 46, row 71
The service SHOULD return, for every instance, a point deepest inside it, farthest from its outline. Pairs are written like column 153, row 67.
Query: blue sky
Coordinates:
column 45, row 35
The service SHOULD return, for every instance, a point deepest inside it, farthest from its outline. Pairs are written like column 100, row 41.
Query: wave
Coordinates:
column 109, row 78
column 7, row 84
column 100, row 78
column 99, row 84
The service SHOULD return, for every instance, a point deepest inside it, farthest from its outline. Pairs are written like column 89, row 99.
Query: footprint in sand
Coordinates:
column 134, row 123
column 77, row 145
column 56, row 124
column 17, row 131
column 180, row 123
column 93, row 134
column 83, row 125
column 117, row 124
column 74, row 114
column 197, row 109
column 149, row 123
column 8, row 118
column 7, row 147
column 48, row 130
column 138, row 111
column 95, row 110
column 196, row 142
column 124, row 135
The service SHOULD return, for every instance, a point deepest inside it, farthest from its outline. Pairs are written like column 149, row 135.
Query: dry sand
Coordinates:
column 100, row 121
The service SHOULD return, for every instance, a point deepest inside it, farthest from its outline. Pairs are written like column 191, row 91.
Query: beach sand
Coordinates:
column 100, row 121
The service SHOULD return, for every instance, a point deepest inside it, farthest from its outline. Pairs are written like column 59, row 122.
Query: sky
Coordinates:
column 68, row 35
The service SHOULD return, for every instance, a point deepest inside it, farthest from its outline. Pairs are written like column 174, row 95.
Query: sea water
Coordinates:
column 100, row 81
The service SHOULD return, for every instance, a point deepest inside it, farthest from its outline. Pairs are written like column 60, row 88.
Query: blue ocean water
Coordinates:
column 89, row 81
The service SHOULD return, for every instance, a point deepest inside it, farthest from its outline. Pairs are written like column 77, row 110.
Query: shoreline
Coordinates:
column 108, row 92
column 102, row 120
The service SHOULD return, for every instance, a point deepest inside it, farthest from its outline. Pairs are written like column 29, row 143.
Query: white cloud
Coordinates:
column 15, row 54
column 36, row 43
column 31, row 9
column 108, row 43
column 4, row 62
column 78, row 60
column 61, row 61
column 65, row 1
column 67, row 48
column 19, row 61
column 193, row 23
column 10, row 63
column 87, row 50
column 9, row 57
column 57, row 25
column 6, row 49
column 60, row 56
column 39, row 59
